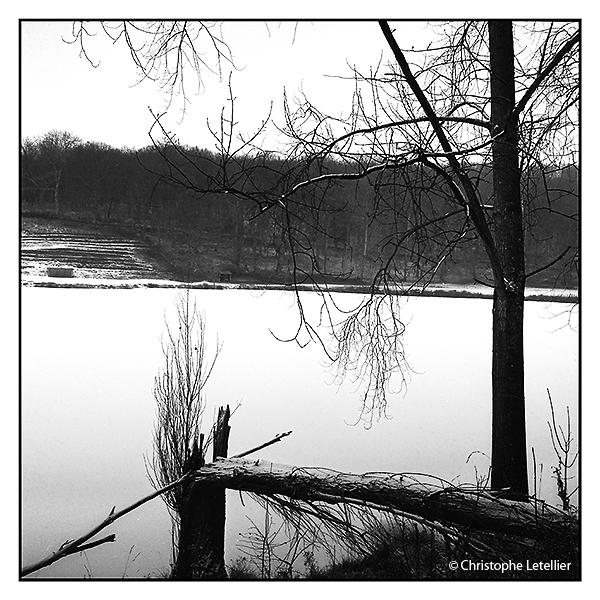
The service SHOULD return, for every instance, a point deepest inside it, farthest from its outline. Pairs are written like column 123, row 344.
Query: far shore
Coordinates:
column 439, row 291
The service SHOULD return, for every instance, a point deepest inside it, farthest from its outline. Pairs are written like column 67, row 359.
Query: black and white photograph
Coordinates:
column 299, row 300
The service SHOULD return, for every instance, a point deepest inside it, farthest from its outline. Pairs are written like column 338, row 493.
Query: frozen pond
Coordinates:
column 89, row 358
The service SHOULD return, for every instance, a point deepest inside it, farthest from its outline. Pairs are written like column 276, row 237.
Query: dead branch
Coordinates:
column 276, row 439
column 79, row 545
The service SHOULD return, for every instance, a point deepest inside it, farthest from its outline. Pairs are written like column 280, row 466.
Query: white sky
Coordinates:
column 61, row 90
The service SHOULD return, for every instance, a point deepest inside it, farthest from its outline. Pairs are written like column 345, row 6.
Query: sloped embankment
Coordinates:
column 93, row 252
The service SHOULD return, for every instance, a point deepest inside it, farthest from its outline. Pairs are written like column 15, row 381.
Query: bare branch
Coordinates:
column 547, row 266
column 276, row 439
column 558, row 57
column 476, row 211
column 77, row 545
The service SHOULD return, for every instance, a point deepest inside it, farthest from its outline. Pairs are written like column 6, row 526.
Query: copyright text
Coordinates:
column 507, row 566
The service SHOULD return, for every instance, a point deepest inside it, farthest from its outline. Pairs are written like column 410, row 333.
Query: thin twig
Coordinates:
column 276, row 439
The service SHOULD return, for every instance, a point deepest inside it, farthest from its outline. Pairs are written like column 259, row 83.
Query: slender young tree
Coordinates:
column 179, row 446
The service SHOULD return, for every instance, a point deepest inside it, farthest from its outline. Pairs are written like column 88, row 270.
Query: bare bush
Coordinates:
column 180, row 400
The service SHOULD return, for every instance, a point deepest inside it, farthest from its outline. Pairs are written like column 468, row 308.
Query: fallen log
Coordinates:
column 436, row 502
column 404, row 494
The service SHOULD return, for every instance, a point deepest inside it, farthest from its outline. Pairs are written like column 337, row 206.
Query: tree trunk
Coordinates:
column 452, row 505
column 365, row 249
column 57, row 174
column 201, row 544
column 509, row 450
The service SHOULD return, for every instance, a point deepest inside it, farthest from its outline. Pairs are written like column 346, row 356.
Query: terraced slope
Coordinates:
column 92, row 252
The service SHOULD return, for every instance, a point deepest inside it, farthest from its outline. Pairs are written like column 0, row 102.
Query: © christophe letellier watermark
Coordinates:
column 509, row 565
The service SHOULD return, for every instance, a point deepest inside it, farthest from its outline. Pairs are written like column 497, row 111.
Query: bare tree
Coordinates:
column 492, row 103
column 54, row 148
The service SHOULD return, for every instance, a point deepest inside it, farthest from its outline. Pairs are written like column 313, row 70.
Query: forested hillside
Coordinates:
column 201, row 230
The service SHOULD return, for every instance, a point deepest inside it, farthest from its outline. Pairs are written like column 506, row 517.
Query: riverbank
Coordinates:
column 111, row 257
column 439, row 291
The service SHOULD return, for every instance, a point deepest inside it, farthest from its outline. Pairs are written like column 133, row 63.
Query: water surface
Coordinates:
column 89, row 358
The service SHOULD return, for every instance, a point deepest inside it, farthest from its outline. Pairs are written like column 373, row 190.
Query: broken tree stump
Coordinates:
column 201, row 544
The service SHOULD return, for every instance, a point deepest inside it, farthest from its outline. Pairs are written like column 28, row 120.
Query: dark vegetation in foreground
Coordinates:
column 407, row 550
column 419, row 555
